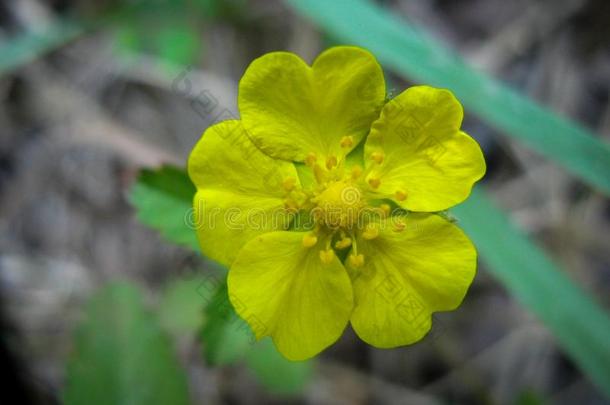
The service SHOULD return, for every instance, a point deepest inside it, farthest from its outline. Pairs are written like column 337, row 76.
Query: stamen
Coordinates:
column 400, row 195
column 309, row 240
column 331, row 162
column 374, row 182
column 347, row 142
column 356, row 260
column 291, row 205
column 356, row 172
column 377, row 157
column 319, row 174
column 370, row 232
column 343, row 243
column 327, row 256
column 289, row 183
column 399, row 226
column 311, row 159
column 385, row 208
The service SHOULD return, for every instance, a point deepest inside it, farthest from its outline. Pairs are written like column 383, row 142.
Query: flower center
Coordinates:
column 342, row 215
column 338, row 205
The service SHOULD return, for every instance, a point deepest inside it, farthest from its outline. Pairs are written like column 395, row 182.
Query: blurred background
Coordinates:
column 92, row 92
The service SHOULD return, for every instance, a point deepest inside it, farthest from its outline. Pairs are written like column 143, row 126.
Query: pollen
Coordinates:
column 356, row 172
column 399, row 226
column 289, row 183
column 327, row 256
column 339, row 205
column 374, row 182
column 331, row 162
column 400, row 195
column 377, row 157
column 371, row 231
column 309, row 240
column 356, row 260
column 291, row 205
column 343, row 243
column 311, row 159
column 347, row 142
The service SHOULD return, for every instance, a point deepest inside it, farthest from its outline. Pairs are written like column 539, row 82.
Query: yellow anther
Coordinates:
column 331, row 162
column 347, row 141
column 327, row 256
column 377, row 157
column 356, row 172
column 289, row 183
column 311, row 159
column 374, row 182
column 400, row 195
column 385, row 208
column 399, row 226
column 343, row 243
column 291, row 205
column 370, row 232
column 309, row 240
column 356, row 260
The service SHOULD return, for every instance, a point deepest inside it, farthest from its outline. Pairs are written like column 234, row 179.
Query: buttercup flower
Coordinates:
column 324, row 201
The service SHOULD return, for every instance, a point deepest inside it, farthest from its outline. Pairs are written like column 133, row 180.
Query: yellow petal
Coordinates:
column 429, row 164
column 239, row 190
column 284, row 289
column 407, row 275
column 290, row 109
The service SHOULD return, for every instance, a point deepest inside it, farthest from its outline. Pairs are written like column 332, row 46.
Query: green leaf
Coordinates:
column 281, row 377
column 178, row 43
column 402, row 47
column 182, row 304
column 120, row 355
column 226, row 337
column 163, row 200
column 580, row 326
column 28, row 46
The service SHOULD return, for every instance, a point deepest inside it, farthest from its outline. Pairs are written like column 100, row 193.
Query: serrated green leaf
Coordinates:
column 120, row 355
column 410, row 51
column 163, row 200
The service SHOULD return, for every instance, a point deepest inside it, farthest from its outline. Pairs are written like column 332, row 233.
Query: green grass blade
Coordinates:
column 579, row 325
column 403, row 48
column 29, row 46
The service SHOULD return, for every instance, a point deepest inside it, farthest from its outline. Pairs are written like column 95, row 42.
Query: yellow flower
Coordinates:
column 322, row 201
